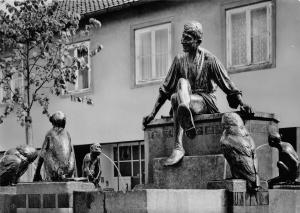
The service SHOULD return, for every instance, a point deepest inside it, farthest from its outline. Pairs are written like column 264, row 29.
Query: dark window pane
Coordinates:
column 115, row 170
column 125, row 168
column 135, row 152
column 125, row 152
column 143, row 151
column 136, row 168
column 143, row 171
column 115, row 153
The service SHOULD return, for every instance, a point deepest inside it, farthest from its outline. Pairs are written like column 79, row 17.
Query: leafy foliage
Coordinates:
column 35, row 36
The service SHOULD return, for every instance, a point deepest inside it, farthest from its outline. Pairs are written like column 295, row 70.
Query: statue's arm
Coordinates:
column 85, row 167
column 37, row 176
column 221, row 77
column 166, row 90
column 72, row 160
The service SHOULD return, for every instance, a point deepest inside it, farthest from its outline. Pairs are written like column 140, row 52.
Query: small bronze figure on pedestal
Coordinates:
column 91, row 166
column 288, row 163
column 57, row 152
column 14, row 164
column 239, row 150
column 190, row 86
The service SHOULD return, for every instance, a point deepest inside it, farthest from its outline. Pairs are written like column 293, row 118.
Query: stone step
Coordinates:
column 193, row 172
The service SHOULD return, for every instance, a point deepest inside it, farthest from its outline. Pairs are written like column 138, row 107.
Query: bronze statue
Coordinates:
column 91, row 166
column 57, row 152
column 190, row 85
column 239, row 150
column 14, row 164
column 288, row 163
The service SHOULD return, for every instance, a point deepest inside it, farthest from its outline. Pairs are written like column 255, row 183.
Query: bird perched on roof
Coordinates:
column 238, row 148
column 15, row 162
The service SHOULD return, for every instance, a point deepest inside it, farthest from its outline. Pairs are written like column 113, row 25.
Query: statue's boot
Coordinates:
column 186, row 120
column 176, row 155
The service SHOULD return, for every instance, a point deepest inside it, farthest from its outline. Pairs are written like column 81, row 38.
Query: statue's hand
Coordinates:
column 147, row 119
column 246, row 110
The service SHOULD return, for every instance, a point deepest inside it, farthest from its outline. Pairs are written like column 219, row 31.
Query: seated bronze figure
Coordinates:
column 57, row 153
column 14, row 164
column 288, row 163
column 238, row 148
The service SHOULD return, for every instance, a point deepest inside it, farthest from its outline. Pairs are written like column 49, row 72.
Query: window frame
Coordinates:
column 141, row 159
column 144, row 26
column 77, row 91
column 271, row 19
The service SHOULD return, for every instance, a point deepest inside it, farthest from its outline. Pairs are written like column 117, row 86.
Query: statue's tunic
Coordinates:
column 58, row 154
column 204, row 75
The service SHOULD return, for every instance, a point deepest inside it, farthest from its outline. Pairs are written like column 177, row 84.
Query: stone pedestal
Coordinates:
column 162, row 201
column 89, row 202
column 159, row 141
column 285, row 199
column 193, row 172
column 239, row 199
column 48, row 197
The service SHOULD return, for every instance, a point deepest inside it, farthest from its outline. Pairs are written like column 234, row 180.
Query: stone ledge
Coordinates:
column 8, row 189
column 234, row 185
column 212, row 117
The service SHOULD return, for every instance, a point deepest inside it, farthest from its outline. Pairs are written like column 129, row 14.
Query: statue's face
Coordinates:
column 189, row 43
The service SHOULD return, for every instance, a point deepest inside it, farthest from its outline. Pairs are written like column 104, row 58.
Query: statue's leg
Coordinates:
column 184, row 114
column 178, row 151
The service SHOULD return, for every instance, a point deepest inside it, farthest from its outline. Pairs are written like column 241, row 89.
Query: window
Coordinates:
column 81, row 51
column 16, row 84
column 249, row 36
column 130, row 161
column 152, row 53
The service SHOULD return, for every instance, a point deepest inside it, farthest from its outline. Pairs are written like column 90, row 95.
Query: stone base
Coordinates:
column 193, row 172
column 175, row 201
column 239, row 199
column 166, row 200
column 88, row 202
column 48, row 197
column 284, row 200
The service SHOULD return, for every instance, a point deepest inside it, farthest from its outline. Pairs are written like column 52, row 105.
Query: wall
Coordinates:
column 119, row 108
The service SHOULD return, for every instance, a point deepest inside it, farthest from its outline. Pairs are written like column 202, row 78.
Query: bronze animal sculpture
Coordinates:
column 239, row 150
column 288, row 163
column 57, row 153
column 91, row 166
column 190, row 86
column 14, row 164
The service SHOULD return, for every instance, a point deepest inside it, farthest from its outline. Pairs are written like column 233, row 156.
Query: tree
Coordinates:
column 35, row 34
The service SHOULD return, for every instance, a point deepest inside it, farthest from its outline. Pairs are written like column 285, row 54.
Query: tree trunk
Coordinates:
column 29, row 141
